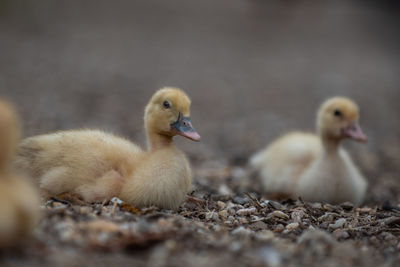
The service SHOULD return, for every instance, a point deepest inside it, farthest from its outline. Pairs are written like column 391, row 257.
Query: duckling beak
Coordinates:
column 355, row 132
column 184, row 127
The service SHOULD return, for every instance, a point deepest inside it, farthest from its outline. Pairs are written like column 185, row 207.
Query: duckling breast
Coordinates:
column 163, row 179
column 332, row 179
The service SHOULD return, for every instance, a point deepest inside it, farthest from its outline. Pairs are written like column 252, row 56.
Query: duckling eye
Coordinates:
column 166, row 104
column 337, row 113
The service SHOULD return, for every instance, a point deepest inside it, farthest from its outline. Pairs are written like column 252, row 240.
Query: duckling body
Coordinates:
column 316, row 167
column 19, row 202
column 97, row 166
column 89, row 163
column 283, row 161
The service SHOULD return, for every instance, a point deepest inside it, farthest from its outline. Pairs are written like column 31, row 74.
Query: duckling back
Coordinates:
column 282, row 163
column 76, row 161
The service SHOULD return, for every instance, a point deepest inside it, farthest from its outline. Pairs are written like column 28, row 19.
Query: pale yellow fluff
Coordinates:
column 314, row 167
column 96, row 165
column 19, row 202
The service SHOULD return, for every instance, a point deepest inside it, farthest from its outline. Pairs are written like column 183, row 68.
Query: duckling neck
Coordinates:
column 158, row 141
column 331, row 145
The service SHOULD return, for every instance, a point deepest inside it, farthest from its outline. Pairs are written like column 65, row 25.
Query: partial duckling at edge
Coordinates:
column 316, row 167
column 97, row 166
column 19, row 201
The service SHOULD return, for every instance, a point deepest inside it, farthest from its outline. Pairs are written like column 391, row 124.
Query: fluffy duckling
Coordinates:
column 19, row 202
column 316, row 167
column 95, row 165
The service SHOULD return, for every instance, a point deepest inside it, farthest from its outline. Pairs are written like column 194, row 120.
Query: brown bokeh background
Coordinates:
column 254, row 69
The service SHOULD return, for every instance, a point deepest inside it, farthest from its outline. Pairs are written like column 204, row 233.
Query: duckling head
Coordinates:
column 168, row 114
column 338, row 119
column 9, row 133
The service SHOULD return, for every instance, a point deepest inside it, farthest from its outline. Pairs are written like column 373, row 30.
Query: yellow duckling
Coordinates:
column 19, row 202
column 96, row 166
column 315, row 167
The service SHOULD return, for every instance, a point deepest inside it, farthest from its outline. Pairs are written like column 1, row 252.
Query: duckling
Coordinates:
column 316, row 167
column 19, row 202
column 97, row 166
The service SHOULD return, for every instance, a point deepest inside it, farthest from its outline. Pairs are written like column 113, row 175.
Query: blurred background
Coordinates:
column 253, row 68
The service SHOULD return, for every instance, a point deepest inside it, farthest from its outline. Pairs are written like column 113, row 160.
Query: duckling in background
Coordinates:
column 96, row 166
column 316, row 167
column 19, row 202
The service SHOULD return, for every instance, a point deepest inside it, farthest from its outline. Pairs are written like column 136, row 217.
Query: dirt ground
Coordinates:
column 254, row 69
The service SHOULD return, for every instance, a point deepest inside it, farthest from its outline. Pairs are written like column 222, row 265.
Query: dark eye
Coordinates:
column 337, row 113
column 166, row 104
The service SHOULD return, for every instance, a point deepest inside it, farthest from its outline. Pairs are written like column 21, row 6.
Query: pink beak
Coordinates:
column 191, row 135
column 354, row 131
column 184, row 127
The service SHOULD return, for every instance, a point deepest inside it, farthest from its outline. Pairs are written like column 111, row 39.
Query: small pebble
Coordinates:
column 224, row 190
column 279, row 228
column 241, row 200
column 116, row 200
column 340, row 234
column 85, row 210
column 339, row 223
column 243, row 220
column 275, row 205
column 292, row 226
column 228, row 223
column 223, row 214
column 265, row 235
column 230, row 205
column 59, row 206
column 329, row 207
column 248, row 211
column 316, row 237
column 221, row 204
column 316, row 205
column 211, row 215
column 278, row 214
column 232, row 211
column 241, row 231
column 364, row 210
column 328, row 216
column 298, row 215
column 101, row 226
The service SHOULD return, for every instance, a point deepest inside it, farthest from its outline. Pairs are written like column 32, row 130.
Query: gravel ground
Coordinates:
column 213, row 229
column 254, row 69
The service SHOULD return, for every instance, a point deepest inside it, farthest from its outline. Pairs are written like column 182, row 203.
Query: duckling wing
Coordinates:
column 283, row 161
column 65, row 161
